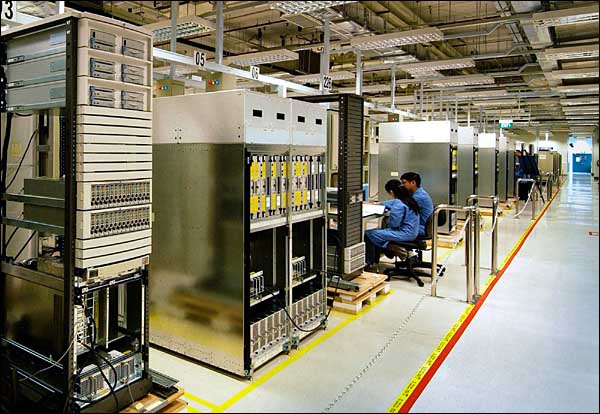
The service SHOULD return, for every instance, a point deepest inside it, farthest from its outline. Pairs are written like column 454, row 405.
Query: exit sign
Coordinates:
column 506, row 123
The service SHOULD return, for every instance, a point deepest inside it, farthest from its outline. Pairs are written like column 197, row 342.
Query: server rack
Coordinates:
column 546, row 162
column 239, row 233
column 489, row 169
column 511, row 167
column 502, row 168
column 346, row 251
column 468, row 165
column 427, row 148
column 74, row 328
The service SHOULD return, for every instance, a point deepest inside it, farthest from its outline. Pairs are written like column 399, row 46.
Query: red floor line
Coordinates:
column 410, row 401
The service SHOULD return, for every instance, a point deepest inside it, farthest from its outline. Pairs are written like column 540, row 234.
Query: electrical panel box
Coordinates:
column 429, row 149
column 468, row 165
column 92, row 223
column 489, row 167
column 247, row 184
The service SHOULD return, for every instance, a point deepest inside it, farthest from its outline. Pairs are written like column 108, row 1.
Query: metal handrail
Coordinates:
column 495, row 202
column 532, row 192
column 434, row 237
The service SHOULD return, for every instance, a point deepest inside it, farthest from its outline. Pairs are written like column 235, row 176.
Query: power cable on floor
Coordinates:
column 377, row 356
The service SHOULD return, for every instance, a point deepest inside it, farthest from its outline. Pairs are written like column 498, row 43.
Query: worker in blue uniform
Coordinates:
column 412, row 182
column 402, row 225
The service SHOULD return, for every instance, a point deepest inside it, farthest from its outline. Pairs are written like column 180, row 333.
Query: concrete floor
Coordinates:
column 533, row 346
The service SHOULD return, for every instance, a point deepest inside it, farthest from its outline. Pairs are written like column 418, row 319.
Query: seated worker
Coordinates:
column 412, row 182
column 403, row 222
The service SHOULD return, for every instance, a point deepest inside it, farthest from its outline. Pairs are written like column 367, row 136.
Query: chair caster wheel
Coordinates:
column 421, row 284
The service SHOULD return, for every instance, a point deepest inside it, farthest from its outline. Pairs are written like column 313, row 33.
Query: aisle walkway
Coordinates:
column 533, row 346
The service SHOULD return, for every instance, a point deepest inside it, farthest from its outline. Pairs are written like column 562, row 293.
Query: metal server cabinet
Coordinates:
column 502, row 168
column 545, row 159
column 428, row 148
column 488, row 166
column 511, row 167
column 468, row 165
column 74, row 328
column 239, row 231
column 347, row 252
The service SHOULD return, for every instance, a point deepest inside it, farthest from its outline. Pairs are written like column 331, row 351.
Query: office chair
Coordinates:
column 407, row 267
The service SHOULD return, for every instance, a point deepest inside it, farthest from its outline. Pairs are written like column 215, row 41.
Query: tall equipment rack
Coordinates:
column 427, row 148
column 239, row 236
column 74, row 317
column 489, row 166
column 468, row 165
column 348, row 249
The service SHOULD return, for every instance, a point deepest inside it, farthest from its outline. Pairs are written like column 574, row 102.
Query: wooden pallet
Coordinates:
column 154, row 404
column 371, row 286
column 487, row 211
column 448, row 241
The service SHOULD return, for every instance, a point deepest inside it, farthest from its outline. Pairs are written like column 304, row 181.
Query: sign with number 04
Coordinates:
column 9, row 10
column 199, row 58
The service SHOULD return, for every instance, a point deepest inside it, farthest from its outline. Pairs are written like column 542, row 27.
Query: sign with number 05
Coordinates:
column 199, row 58
column 327, row 82
column 9, row 10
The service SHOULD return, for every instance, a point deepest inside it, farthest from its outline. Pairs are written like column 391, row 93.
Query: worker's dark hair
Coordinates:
column 412, row 176
column 390, row 185
column 402, row 194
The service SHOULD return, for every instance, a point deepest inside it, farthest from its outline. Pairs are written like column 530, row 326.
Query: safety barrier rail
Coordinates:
column 468, row 236
column 533, row 196
column 495, row 203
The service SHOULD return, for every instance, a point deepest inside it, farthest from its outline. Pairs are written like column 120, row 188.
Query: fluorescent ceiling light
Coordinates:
column 296, row 7
column 316, row 77
column 400, row 60
column 186, row 26
column 497, row 102
column 415, row 68
column 179, row 70
column 463, row 80
column 261, row 58
column 566, row 16
column 582, row 108
column 579, row 101
column 367, row 89
column 575, row 73
column 410, row 37
column 577, row 89
column 573, row 52
column 482, row 94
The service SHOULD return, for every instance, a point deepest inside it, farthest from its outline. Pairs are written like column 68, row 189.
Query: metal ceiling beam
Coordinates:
column 171, row 57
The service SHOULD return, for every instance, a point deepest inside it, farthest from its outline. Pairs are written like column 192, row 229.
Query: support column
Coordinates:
column 359, row 72
column 393, row 86
column 220, row 32
column 174, row 17
column 325, row 54
column 421, row 99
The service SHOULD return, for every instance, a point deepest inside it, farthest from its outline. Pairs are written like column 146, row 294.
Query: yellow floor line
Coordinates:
column 294, row 357
column 199, row 400
column 191, row 409
column 414, row 381
column 408, row 389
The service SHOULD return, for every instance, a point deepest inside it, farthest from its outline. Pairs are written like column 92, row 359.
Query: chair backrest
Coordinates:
column 429, row 224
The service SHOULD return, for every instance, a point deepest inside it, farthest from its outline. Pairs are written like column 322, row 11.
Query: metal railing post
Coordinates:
column 476, row 251
column 468, row 246
column 469, row 249
column 494, row 267
column 434, row 234
column 534, row 198
column 470, row 201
